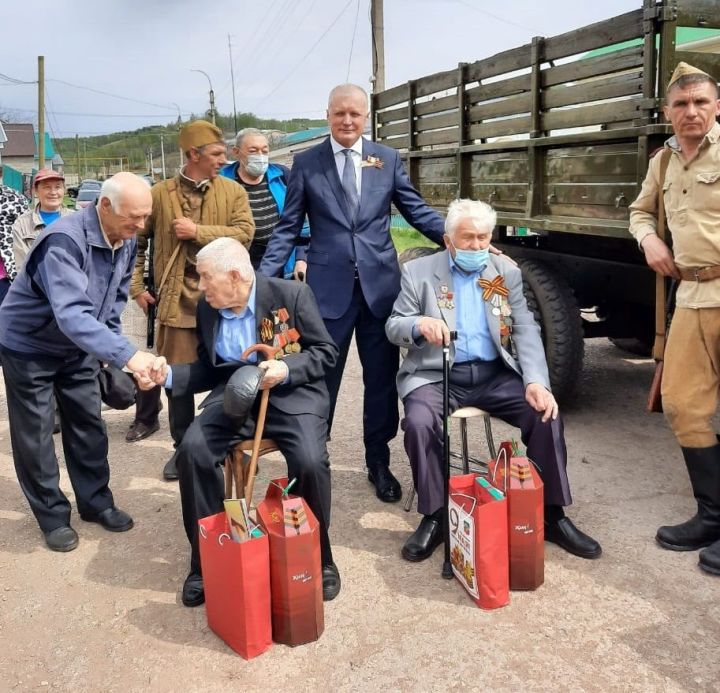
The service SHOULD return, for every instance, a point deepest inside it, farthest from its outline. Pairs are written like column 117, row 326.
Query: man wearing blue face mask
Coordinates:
column 265, row 184
column 497, row 364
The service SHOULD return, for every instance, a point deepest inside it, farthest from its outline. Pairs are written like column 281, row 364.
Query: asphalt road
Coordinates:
column 107, row 617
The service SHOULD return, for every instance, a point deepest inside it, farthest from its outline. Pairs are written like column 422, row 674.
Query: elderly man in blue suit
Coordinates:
column 497, row 363
column 345, row 186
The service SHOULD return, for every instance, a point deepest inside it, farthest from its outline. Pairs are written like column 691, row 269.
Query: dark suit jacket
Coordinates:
column 305, row 392
column 338, row 242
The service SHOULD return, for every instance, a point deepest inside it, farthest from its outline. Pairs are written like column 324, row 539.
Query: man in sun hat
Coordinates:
column 189, row 211
column 691, row 376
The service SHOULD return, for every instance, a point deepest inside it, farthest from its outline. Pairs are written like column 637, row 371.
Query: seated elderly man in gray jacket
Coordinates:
column 497, row 364
column 60, row 318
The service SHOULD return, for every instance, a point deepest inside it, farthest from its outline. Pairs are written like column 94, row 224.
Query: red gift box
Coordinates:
column 295, row 566
column 526, row 521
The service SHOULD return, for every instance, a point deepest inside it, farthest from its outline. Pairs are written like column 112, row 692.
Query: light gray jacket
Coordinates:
column 421, row 280
column 26, row 229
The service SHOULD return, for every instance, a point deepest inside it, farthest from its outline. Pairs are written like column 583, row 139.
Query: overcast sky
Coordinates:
column 287, row 54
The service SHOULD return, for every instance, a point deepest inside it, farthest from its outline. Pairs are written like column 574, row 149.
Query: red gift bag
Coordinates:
column 295, row 567
column 478, row 541
column 236, row 577
column 526, row 522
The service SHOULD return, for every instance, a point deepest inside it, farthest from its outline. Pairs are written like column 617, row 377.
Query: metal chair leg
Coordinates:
column 464, row 446
column 489, row 437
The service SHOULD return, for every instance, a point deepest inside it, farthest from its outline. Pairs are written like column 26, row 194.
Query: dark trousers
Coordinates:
column 500, row 392
column 30, row 385
column 147, row 406
column 181, row 413
column 301, row 439
column 380, row 360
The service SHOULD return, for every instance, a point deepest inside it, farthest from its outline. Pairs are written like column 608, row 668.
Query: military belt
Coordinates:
column 699, row 274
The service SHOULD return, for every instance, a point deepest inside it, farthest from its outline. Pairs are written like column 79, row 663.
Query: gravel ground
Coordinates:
column 107, row 616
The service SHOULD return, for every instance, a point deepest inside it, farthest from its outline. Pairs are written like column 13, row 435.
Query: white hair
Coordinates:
column 225, row 255
column 344, row 89
column 245, row 132
column 113, row 188
column 482, row 216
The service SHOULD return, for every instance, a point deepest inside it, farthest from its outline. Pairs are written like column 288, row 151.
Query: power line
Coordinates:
column 14, row 81
column 114, row 96
column 352, row 43
column 496, row 17
column 302, row 60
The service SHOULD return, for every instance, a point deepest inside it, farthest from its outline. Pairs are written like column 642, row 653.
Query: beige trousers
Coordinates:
column 691, row 375
column 176, row 344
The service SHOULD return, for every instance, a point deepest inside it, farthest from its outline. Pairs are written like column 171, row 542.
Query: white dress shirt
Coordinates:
column 356, row 157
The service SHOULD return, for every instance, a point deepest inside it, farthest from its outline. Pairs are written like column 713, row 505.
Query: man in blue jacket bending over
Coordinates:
column 60, row 318
column 266, row 186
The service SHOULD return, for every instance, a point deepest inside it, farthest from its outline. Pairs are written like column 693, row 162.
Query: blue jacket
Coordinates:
column 341, row 243
column 277, row 176
column 70, row 293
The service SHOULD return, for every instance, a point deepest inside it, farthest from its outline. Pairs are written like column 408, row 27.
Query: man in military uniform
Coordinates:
column 189, row 211
column 691, row 377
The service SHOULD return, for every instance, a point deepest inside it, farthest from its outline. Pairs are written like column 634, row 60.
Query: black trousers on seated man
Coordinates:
column 501, row 393
column 301, row 439
column 30, row 383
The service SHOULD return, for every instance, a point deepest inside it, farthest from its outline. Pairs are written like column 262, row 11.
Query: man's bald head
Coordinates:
column 124, row 205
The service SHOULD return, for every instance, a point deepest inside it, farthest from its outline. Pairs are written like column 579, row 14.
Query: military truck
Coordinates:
column 556, row 135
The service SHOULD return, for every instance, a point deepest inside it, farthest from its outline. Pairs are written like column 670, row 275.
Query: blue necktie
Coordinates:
column 349, row 183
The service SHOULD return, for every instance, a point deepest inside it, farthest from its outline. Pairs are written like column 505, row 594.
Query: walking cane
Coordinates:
column 268, row 352
column 447, row 567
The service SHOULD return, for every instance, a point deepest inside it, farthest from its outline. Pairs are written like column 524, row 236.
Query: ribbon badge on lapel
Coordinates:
column 266, row 330
column 493, row 286
column 285, row 337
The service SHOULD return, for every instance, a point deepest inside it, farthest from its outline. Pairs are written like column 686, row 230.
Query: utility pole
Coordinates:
column 212, row 94
column 179, row 127
column 162, row 154
column 378, row 46
column 77, row 157
column 41, row 111
column 232, row 80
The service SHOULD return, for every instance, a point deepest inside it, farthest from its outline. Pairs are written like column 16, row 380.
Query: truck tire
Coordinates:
column 554, row 306
column 415, row 253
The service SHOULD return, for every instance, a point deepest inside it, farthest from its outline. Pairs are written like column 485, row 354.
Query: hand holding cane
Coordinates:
column 447, row 566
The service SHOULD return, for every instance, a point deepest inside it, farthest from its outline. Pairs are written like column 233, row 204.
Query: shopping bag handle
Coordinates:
column 502, row 452
column 465, row 495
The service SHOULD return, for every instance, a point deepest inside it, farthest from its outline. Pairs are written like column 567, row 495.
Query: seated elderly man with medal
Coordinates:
column 497, row 364
column 241, row 314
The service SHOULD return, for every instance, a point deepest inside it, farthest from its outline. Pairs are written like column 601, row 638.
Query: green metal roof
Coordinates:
column 683, row 35
column 49, row 149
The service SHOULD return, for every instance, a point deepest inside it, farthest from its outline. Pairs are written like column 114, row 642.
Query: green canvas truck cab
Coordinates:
column 556, row 135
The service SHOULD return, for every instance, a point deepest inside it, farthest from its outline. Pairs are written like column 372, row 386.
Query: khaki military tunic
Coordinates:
column 692, row 206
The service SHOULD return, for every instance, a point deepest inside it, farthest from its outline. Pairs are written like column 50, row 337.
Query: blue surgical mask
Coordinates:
column 257, row 164
column 471, row 260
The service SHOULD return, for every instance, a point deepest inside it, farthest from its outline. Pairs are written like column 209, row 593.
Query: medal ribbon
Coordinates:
column 493, row 286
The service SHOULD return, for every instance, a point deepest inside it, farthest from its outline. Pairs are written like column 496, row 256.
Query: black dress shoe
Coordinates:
column 566, row 535
column 387, row 487
column 61, row 539
column 331, row 582
column 193, row 591
column 170, row 472
column 111, row 519
column 139, row 431
column 425, row 539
